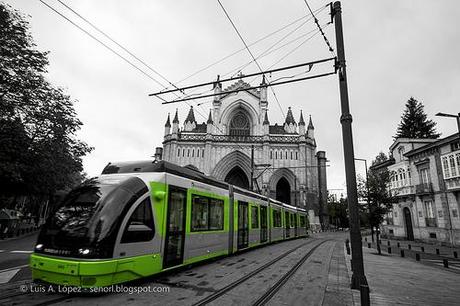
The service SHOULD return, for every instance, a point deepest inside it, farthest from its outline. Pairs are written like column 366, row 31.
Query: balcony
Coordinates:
column 452, row 183
column 430, row 222
column 426, row 188
column 402, row 191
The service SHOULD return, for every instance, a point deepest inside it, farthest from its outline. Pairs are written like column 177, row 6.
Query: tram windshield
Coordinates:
column 87, row 221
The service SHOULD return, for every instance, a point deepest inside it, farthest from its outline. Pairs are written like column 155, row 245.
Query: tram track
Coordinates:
column 264, row 298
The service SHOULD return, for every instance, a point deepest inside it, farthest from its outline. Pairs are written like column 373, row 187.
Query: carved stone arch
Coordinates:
column 230, row 161
column 236, row 107
column 284, row 178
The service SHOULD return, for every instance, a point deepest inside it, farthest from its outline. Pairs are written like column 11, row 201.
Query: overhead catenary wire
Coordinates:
column 319, row 27
column 252, row 55
column 103, row 44
column 250, row 44
column 117, row 43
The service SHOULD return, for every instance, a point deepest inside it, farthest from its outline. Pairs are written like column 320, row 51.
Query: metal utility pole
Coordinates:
column 358, row 277
column 251, row 184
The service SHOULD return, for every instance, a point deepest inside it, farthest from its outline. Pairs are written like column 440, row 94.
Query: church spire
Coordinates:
column 266, row 118
column 176, row 117
column 191, row 116
column 301, row 121
column 289, row 117
column 168, row 122
column 310, row 125
column 210, row 118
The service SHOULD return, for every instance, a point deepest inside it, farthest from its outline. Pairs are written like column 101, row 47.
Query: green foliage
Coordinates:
column 338, row 211
column 380, row 158
column 377, row 198
column 39, row 151
column 414, row 122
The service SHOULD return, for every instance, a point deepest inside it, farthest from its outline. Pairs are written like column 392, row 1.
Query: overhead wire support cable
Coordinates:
column 116, row 43
column 253, row 87
column 246, row 76
column 252, row 55
column 102, row 43
column 319, row 27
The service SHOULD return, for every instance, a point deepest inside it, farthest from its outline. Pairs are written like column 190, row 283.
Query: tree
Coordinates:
column 39, row 150
column 414, row 122
column 379, row 200
column 337, row 211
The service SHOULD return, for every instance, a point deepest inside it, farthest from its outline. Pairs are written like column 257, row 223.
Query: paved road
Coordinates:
column 14, row 257
column 321, row 279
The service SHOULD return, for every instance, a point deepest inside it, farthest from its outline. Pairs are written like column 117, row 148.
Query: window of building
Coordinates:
column 183, row 152
column 140, row 226
column 286, row 155
column 254, row 217
column 455, row 146
column 197, row 152
column 188, row 152
column 454, row 213
column 401, row 153
column 178, row 152
column 291, row 154
column 276, row 154
column 207, row 214
column 453, row 166
column 193, row 152
column 424, row 176
column 281, row 154
column 429, row 209
column 296, row 155
column 433, row 235
column 276, row 218
column 420, row 214
column 440, row 213
column 395, row 214
column 202, row 152
column 239, row 125
column 271, row 154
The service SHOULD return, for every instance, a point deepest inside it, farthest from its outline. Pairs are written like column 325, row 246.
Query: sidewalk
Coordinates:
column 417, row 246
column 399, row 281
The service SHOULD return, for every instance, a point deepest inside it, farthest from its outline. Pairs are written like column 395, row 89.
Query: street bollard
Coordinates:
column 437, row 251
column 455, row 254
column 369, row 245
column 402, row 253
column 365, row 298
column 417, row 257
column 422, row 249
column 388, row 242
column 446, row 263
column 398, row 245
column 409, row 246
column 389, row 250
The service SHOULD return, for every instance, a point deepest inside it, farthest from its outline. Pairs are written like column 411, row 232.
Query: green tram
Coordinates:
column 141, row 218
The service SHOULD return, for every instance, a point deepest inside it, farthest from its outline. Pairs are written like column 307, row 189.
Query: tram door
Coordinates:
column 288, row 229
column 295, row 224
column 263, row 223
column 175, row 227
column 243, row 227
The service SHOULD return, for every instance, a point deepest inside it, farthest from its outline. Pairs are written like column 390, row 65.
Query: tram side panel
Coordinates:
column 277, row 232
column 254, row 224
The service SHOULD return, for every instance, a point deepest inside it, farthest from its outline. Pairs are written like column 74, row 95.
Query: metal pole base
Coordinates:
column 357, row 281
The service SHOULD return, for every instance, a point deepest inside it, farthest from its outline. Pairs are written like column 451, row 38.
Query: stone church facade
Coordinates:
column 286, row 165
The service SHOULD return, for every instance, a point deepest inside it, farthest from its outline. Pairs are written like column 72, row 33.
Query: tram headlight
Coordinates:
column 39, row 247
column 84, row 251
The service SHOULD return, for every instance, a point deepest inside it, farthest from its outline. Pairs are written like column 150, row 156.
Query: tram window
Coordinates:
column 292, row 220
column 276, row 218
column 207, row 214
column 254, row 217
column 140, row 226
column 302, row 221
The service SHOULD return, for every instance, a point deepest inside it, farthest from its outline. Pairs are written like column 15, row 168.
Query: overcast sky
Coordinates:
column 395, row 49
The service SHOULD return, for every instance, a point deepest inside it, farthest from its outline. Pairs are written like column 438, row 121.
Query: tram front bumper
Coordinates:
column 65, row 272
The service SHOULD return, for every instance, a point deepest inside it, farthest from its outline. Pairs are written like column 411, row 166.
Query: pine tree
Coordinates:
column 414, row 122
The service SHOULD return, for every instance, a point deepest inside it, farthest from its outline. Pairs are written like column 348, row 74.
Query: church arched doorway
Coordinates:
column 283, row 191
column 237, row 177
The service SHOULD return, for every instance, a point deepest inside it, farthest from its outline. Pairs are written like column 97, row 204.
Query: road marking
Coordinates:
column 13, row 268
column 7, row 275
column 22, row 252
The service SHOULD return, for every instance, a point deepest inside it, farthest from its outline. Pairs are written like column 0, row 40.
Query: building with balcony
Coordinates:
column 425, row 180
column 238, row 127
